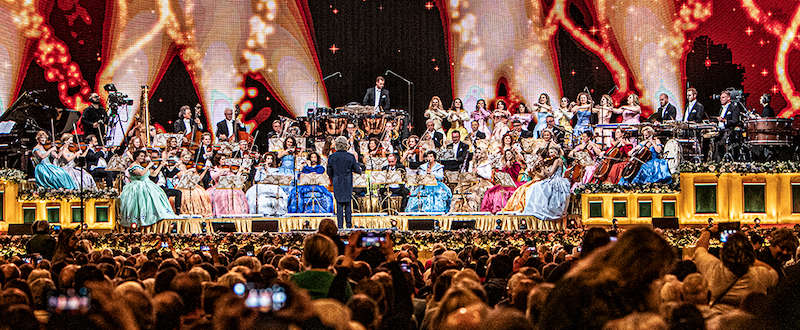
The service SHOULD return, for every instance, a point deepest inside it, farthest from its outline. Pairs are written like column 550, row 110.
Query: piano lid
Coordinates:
column 29, row 113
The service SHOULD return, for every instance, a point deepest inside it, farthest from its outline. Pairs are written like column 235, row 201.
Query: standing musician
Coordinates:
column 694, row 110
column 277, row 129
column 767, row 111
column 665, row 111
column 728, row 120
column 185, row 124
column 377, row 96
column 229, row 127
column 94, row 117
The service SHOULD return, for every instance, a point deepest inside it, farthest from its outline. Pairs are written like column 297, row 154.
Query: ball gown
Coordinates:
column 434, row 198
column 311, row 198
column 50, row 176
column 267, row 199
column 547, row 199
column 225, row 198
column 496, row 197
column 194, row 199
column 142, row 201
column 79, row 175
column 655, row 170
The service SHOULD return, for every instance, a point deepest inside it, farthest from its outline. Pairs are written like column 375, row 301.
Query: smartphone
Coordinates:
column 238, row 289
column 56, row 227
column 613, row 238
column 249, row 253
column 404, row 266
column 205, row 248
column 269, row 299
column 371, row 239
column 26, row 260
column 726, row 229
column 723, row 235
column 70, row 302
column 164, row 245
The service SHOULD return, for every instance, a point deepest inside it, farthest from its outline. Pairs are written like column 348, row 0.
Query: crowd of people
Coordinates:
column 617, row 279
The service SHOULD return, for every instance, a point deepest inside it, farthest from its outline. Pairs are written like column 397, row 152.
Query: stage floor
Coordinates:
column 403, row 221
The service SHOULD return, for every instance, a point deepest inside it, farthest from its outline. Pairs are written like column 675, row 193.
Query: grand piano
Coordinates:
column 20, row 122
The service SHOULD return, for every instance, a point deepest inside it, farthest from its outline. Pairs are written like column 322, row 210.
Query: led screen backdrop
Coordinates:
column 270, row 56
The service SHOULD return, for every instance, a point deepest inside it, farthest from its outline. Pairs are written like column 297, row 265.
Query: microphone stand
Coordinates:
column 409, row 83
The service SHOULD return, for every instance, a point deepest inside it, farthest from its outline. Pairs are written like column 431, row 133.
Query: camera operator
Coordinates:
column 94, row 117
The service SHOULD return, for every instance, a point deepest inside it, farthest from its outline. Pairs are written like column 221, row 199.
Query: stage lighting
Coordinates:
column 84, row 226
column 523, row 224
column 134, row 226
column 757, row 221
column 572, row 224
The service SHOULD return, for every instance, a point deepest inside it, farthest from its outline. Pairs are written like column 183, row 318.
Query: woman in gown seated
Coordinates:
column 194, row 199
column 48, row 175
column 468, row 196
column 226, row 196
column 585, row 154
column 655, row 170
column 547, row 199
column 66, row 158
column 287, row 158
column 142, row 201
column 264, row 198
column 434, row 198
column 625, row 146
column 311, row 198
column 496, row 197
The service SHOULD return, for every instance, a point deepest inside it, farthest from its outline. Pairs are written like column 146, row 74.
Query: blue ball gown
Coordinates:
column 655, row 170
column 142, row 201
column 430, row 198
column 547, row 199
column 50, row 176
column 541, row 123
column 287, row 168
column 583, row 123
column 311, row 198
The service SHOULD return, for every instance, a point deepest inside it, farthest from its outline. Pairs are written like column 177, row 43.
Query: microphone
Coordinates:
column 387, row 72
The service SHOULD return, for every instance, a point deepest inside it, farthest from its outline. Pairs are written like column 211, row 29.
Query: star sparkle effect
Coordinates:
column 334, row 49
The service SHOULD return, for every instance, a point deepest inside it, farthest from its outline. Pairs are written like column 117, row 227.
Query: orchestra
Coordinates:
column 524, row 159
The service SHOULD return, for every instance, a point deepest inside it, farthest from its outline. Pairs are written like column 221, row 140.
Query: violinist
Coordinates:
column 412, row 157
column 585, row 155
column 277, row 129
column 165, row 174
column 242, row 150
column 67, row 159
column 652, row 168
column 194, row 199
column 226, row 199
column 624, row 146
column 97, row 160
column 390, row 139
column 47, row 174
column 172, row 147
column 431, row 134
column 354, row 135
column 205, row 152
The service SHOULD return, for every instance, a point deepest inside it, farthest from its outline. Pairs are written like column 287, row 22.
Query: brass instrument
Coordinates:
column 286, row 122
column 142, row 118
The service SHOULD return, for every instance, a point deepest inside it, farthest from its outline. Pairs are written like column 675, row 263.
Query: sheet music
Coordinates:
column 7, row 126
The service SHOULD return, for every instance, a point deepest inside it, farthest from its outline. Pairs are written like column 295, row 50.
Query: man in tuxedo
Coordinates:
column 229, row 127
column 94, row 117
column 665, row 111
column 377, row 96
column 558, row 131
column 767, row 111
column 728, row 120
column 396, row 189
column 476, row 134
column 277, row 129
column 97, row 160
column 460, row 150
column 694, row 110
column 431, row 133
column 516, row 130
column 341, row 166
column 185, row 124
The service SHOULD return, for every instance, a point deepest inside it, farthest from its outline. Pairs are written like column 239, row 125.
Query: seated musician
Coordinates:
column 625, row 146
column 242, row 150
column 460, row 151
column 654, row 170
column 728, row 121
column 205, row 151
column 97, row 160
column 412, row 156
column 559, row 132
column 164, row 174
column 432, row 134
column 264, row 198
column 229, row 127
column 353, row 134
column 396, row 189
column 311, row 198
column 582, row 155
column 434, row 198
column 224, row 199
column 172, row 148
column 390, row 139
column 185, row 124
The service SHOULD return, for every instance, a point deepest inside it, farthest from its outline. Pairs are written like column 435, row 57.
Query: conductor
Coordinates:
column 377, row 96
column 341, row 166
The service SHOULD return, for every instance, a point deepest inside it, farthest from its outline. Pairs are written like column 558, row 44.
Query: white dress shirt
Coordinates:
column 229, row 123
column 377, row 97
column 723, row 113
column 688, row 110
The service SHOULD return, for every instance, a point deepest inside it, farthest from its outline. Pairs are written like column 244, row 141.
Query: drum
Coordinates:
column 769, row 131
column 373, row 124
column 368, row 204
column 335, row 125
column 673, row 153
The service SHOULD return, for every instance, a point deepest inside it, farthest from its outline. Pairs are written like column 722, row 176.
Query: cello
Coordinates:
column 637, row 158
column 611, row 157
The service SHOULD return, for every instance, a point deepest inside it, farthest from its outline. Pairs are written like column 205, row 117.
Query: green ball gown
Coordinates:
column 142, row 201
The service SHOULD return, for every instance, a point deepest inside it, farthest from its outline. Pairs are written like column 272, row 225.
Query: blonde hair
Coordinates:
column 608, row 100
column 319, row 251
column 42, row 133
column 635, row 99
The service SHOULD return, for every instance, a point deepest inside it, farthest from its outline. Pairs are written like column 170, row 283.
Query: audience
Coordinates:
column 331, row 282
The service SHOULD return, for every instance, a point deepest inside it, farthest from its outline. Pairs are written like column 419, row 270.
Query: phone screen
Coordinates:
column 723, row 235
column 164, row 245
column 269, row 299
column 204, row 248
column 370, row 241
